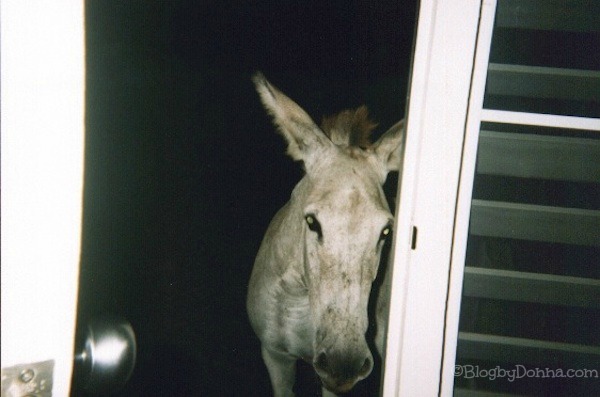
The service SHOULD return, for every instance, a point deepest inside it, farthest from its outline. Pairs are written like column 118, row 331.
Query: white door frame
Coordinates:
column 420, row 336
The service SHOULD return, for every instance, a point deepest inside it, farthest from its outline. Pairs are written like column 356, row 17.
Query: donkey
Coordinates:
column 310, row 285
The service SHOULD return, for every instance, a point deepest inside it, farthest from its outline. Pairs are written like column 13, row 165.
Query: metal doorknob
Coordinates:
column 105, row 357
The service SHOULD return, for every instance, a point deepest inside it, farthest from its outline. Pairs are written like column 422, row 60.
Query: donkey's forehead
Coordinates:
column 352, row 200
column 347, row 183
column 347, row 163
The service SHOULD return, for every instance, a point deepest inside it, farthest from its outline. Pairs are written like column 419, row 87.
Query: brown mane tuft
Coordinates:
column 350, row 127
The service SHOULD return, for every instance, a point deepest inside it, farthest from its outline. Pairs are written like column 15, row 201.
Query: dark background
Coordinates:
column 184, row 170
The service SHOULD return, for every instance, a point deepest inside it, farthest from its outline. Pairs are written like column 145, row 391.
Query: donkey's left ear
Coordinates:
column 388, row 147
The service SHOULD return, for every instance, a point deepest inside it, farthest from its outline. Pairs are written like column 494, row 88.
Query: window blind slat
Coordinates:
column 527, row 351
column 539, row 156
column 531, row 287
column 535, row 222
column 543, row 82
column 564, row 15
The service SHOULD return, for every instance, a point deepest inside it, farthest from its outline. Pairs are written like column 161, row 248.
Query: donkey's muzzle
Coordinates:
column 340, row 372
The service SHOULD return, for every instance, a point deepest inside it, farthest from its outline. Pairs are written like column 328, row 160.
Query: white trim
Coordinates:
column 404, row 209
column 465, row 189
column 439, row 90
column 542, row 120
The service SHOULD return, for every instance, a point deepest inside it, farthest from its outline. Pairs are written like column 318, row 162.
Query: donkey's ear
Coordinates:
column 304, row 137
column 388, row 147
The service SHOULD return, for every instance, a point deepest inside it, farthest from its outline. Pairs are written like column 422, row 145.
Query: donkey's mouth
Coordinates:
column 339, row 388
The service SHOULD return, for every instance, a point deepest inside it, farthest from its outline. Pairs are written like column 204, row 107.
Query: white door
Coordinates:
column 42, row 181
column 439, row 94
column 499, row 212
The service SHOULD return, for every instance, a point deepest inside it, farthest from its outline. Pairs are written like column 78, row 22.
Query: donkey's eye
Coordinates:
column 385, row 233
column 313, row 224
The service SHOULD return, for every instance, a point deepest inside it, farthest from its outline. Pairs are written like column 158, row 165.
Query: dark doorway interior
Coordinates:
column 184, row 170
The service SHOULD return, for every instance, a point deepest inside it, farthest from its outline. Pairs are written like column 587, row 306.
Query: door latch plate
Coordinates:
column 28, row 380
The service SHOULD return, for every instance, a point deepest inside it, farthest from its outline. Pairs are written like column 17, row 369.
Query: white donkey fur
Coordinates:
column 311, row 281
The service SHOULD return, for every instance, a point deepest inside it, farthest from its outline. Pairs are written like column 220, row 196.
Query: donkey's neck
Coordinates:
column 287, row 237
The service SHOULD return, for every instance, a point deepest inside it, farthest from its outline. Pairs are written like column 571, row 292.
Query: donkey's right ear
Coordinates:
column 304, row 137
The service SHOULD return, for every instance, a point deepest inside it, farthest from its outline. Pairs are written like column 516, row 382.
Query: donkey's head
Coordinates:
column 345, row 219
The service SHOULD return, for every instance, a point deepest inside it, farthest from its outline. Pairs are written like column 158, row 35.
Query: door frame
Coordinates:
column 431, row 220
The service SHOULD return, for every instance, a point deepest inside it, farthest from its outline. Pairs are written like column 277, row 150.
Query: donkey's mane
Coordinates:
column 350, row 127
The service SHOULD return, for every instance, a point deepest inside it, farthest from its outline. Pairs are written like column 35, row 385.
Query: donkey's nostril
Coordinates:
column 366, row 368
column 342, row 368
column 321, row 362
